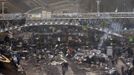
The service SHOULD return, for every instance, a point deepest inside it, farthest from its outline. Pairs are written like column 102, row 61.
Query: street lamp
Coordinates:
column 98, row 7
column 3, row 5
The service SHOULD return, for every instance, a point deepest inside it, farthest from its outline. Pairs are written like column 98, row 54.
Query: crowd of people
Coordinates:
column 64, row 49
column 81, row 49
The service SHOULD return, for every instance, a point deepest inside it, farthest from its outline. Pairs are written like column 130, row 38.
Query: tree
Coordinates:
column 104, row 24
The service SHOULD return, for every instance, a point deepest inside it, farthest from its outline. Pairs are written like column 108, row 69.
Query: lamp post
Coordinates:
column 98, row 7
column 3, row 6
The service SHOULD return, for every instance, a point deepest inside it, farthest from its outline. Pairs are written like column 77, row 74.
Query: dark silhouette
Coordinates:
column 64, row 67
column 7, row 64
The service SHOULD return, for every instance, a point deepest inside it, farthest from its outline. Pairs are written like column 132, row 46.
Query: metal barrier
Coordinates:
column 102, row 15
column 16, row 16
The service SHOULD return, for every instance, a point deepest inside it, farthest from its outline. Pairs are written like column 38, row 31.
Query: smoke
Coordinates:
column 102, row 39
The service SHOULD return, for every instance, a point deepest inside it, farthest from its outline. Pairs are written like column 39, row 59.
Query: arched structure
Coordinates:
column 59, row 22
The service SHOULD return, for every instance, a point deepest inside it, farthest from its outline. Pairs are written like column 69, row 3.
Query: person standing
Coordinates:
column 64, row 67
